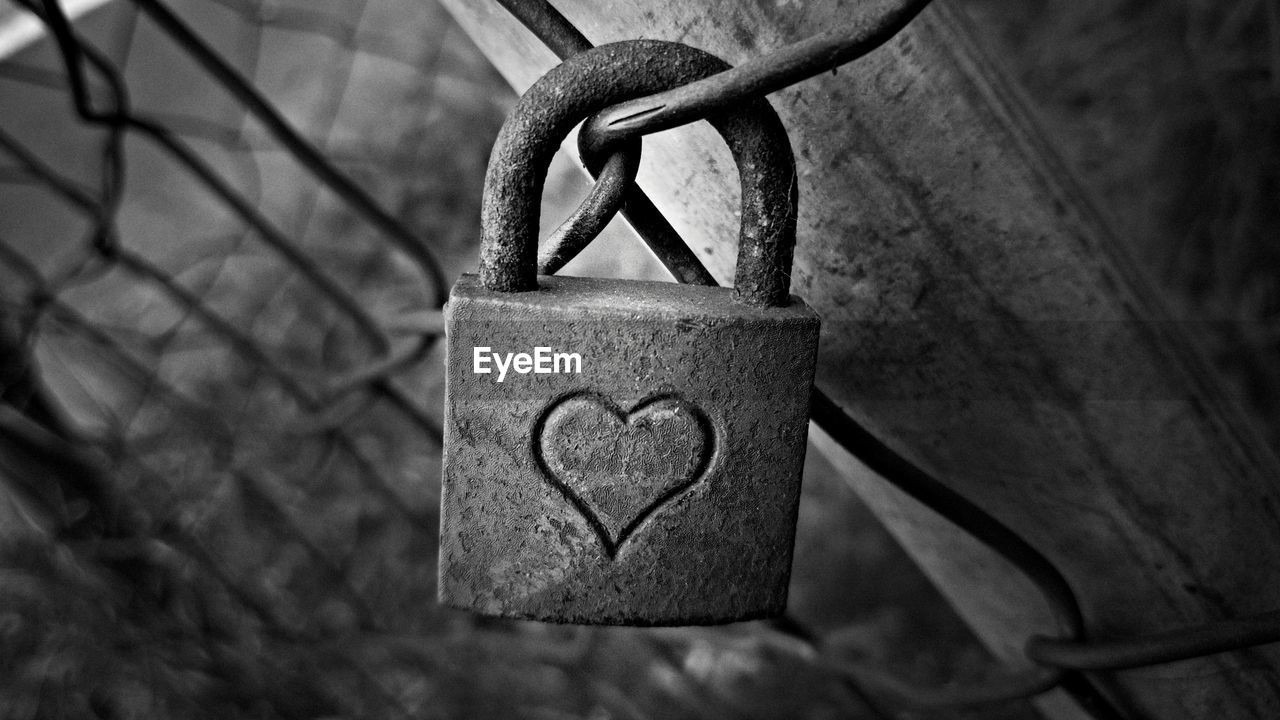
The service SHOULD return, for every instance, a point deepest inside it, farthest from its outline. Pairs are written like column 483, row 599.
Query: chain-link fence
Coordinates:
column 219, row 417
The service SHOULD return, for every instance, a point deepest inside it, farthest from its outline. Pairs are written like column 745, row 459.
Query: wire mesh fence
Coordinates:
column 203, row 327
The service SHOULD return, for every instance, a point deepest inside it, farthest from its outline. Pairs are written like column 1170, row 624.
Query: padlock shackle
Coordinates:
column 606, row 75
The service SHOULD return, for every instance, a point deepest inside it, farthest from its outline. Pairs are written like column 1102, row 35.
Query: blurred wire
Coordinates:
column 303, row 151
column 120, row 117
column 102, row 210
column 117, row 495
column 1158, row 648
column 959, row 511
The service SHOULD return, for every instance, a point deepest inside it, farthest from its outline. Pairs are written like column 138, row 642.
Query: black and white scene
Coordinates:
column 639, row 360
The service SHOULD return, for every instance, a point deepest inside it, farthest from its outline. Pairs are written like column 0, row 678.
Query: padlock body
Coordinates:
column 653, row 480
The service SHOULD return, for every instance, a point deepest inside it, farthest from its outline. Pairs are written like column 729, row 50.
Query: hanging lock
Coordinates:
column 617, row 451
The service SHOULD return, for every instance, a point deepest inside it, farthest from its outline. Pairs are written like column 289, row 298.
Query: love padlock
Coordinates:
column 618, row 451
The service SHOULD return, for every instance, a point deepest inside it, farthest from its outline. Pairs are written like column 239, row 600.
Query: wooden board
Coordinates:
column 981, row 318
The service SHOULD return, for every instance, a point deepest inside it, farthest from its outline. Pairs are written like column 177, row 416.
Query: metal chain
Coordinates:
column 1064, row 658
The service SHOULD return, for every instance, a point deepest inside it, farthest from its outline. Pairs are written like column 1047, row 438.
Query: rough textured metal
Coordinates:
column 658, row 486
column 600, row 77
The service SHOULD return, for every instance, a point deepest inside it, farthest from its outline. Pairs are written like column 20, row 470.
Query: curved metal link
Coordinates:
column 601, row 77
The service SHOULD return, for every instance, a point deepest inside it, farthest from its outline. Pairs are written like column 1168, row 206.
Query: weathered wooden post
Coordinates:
column 980, row 317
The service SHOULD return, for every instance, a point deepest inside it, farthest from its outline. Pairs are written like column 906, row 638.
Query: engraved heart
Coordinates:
column 617, row 468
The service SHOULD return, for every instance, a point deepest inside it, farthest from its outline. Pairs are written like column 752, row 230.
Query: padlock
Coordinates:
column 618, row 451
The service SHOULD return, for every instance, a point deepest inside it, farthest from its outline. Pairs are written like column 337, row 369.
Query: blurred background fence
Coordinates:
column 219, row 441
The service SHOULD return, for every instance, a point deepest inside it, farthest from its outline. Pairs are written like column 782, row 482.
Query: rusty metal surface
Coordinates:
column 606, row 75
column 657, row 487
